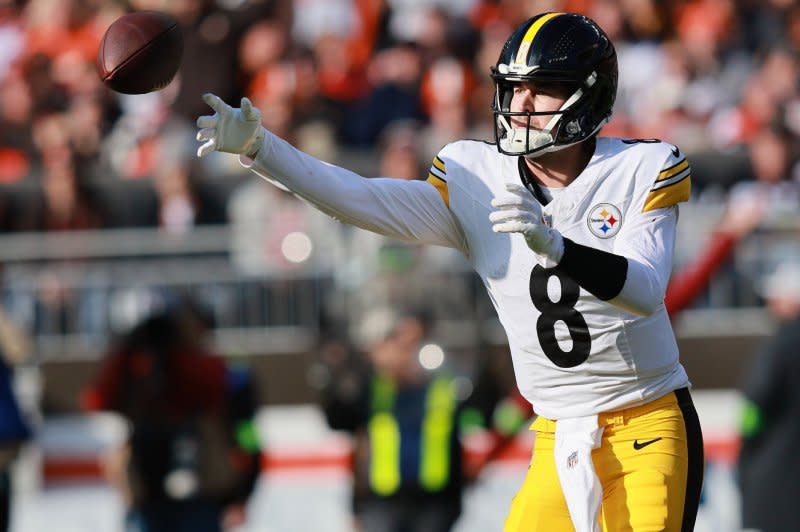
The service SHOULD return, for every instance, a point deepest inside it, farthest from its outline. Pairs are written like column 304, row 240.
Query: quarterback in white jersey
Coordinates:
column 573, row 237
column 574, row 352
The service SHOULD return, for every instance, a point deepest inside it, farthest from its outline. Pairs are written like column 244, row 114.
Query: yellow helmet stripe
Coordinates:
column 527, row 40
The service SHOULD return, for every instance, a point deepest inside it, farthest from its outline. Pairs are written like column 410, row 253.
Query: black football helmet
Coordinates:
column 562, row 48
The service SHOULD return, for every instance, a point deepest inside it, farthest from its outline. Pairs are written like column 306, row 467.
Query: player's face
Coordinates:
column 529, row 97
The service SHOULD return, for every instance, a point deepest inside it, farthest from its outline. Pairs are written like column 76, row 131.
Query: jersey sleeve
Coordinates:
column 437, row 176
column 647, row 239
column 672, row 184
column 412, row 211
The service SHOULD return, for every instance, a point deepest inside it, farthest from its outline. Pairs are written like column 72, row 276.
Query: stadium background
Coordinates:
column 105, row 212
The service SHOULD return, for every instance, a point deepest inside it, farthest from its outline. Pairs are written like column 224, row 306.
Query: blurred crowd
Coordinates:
column 378, row 86
column 384, row 82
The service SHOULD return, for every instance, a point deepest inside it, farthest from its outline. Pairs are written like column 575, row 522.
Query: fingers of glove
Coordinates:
column 249, row 112
column 214, row 101
column 531, row 209
column 512, row 226
column 505, row 215
column 502, row 202
column 208, row 120
column 206, row 148
column 206, row 134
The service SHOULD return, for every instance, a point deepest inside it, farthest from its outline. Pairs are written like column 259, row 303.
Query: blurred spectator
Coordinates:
column 16, row 140
column 174, row 194
column 405, row 421
column 192, row 457
column 740, row 218
column 770, row 429
column 263, row 44
column 184, row 200
column 394, row 74
column 12, row 34
column 66, row 203
column 14, row 430
column 398, row 153
column 771, row 165
column 277, row 87
column 446, row 90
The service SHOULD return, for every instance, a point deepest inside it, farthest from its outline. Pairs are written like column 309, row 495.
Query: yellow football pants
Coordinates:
column 650, row 464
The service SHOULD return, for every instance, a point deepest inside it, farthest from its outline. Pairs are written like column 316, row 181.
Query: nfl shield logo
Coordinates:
column 572, row 460
column 604, row 220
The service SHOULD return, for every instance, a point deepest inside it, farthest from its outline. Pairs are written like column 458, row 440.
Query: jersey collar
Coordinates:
column 526, row 176
column 567, row 201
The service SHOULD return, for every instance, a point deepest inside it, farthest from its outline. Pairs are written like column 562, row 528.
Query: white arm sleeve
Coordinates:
column 412, row 211
column 648, row 243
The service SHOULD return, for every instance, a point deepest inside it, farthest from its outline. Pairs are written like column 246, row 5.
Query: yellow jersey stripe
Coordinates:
column 671, row 180
column 673, row 170
column 440, row 185
column 438, row 163
column 669, row 195
column 438, row 173
column 527, row 40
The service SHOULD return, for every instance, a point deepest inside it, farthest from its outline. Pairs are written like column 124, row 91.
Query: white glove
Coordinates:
column 519, row 212
column 228, row 129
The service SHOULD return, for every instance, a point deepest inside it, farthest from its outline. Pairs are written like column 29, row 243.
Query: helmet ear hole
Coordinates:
column 572, row 128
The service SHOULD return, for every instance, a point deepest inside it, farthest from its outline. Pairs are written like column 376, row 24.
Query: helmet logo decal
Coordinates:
column 527, row 40
column 604, row 220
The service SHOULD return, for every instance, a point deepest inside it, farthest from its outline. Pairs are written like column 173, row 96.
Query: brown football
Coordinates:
column 140, row 52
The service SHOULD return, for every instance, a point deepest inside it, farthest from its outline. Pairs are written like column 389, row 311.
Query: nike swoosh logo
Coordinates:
column 676, row 152
column 638, row 446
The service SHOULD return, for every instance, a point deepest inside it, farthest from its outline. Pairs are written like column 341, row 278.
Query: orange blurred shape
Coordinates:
column 14, row 165
column 446, row 81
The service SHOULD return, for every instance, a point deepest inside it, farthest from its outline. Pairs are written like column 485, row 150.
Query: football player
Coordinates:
column 573, row 238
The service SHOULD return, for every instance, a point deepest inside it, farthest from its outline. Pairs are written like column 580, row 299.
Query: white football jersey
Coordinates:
column 574, row 354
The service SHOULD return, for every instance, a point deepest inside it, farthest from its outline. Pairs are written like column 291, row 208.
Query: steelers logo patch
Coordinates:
column 604, row 220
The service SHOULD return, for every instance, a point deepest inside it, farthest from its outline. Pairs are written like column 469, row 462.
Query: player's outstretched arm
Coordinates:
column 407, row 210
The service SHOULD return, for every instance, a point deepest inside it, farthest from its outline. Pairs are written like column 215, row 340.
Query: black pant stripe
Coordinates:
column 696, row 465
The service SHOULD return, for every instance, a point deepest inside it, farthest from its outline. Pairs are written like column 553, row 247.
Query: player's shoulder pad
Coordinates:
column 460, row 151
column 665, row 172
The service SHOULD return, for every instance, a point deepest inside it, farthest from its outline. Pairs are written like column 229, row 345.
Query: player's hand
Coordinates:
column 744, row 212
column 519, row 212
column 230, row 130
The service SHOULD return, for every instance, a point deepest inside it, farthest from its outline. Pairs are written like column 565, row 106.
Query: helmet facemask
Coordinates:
column 562, row 130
